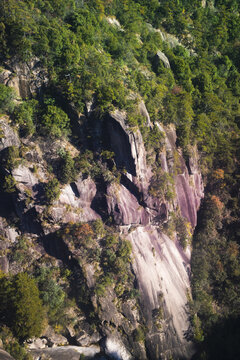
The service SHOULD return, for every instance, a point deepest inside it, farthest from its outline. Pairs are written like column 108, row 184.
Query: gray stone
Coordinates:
column 115, row 348
column 5, row 356
column 161, row 56
column 8, row 135
column 65, row 352
column 4, row 264
column 124, row 207
column 25, row 78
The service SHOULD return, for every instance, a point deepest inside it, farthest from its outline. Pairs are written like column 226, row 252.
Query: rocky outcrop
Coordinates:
column 5, row 356
column 162, row 57
column 162, row 271
column 124, row 207
column 8, row 137
column 75, row 201
column 128, row 146
column 25, row 78
column 66, row 352
column 160, row 268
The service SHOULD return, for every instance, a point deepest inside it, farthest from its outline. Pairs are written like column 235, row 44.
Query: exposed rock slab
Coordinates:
column 75, row 201
column 161, row 269
column 116, row 350
column 25, row 78
column 129, row 149
column 66, row 352
column 5, row 356
column 8, row 135
column 161, row 56
column 124, row 207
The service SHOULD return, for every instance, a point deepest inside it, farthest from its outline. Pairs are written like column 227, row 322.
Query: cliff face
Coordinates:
column 161, row 266
column 138, row 211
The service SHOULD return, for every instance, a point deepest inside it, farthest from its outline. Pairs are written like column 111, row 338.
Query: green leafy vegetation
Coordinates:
column 6, row 99
column 21, row 308
column 88, row 58
column 52, row 191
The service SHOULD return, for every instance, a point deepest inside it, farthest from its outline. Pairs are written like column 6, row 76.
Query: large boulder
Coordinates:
column 162, row 272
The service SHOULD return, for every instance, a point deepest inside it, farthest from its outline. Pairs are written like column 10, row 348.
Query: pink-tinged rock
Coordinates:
column 162, row 272
column 8, row 136
column 5, row 356
column 24, row 177
column 74, row 203
column 129, row 149
column 189, row 187
column 186, row 199
column 124, row 207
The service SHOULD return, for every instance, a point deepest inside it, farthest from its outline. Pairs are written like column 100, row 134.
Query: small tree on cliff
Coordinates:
column 20, row 306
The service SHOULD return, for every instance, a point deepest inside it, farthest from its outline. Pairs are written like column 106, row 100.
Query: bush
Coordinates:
column 55, row 122
column 67, row 168
column 21, row 308
column 25, row 115
column 6, row 99
column 9, row 157
column 9, row 184
column 52, row 191
column 11, row 345
column 51, row 293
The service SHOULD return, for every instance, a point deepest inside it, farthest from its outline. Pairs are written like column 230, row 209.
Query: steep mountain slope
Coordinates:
column 109, row 125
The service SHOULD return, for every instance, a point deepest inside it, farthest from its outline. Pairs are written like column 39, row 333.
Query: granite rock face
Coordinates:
column 25, row 78
column 75, row 201
column 5, row 356
column 159, row 265
column 8, row 136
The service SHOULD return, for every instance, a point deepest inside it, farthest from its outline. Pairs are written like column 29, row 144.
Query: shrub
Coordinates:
column 9, row 184
column 9, row 157
column 67, row 168
column 6, row 99
column 51, row 293
column 52, row 191
column 25, row 115
column 55, row 122
column 11, row 345
column 21, row 308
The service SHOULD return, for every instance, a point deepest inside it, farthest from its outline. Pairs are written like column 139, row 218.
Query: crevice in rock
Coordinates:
column 119, row 144
column 75, row 189
column 99, row 202
column 133, row 189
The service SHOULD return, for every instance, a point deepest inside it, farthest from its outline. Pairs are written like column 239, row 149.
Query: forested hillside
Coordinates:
column 75, row 77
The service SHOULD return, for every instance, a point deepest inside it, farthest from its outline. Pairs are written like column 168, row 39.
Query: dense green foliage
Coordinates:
column 88, row 57
column 6, row 99
column 21, row 308
column 52, row 191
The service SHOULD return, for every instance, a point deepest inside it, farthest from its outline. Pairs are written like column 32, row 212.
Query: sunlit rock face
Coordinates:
column 162, row 271
column 160, row 267
column 25, row 78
